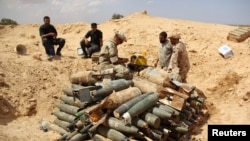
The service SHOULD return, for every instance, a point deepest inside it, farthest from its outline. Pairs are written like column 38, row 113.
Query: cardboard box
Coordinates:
column 225, row 51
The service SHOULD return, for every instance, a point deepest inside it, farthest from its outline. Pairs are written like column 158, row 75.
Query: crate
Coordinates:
column 238, row 35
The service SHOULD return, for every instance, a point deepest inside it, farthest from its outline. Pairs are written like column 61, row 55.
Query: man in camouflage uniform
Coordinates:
column 109, row 57
column 179, row 61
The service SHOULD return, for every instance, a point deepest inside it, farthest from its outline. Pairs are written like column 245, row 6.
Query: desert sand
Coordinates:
column 30, row 85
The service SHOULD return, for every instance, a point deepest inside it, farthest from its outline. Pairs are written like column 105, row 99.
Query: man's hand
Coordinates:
column 52, row 34
column 86, row 41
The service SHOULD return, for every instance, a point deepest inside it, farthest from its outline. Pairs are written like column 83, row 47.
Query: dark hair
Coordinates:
column 93, row 24
column 133, row 57
column 46, row 17
column 164, row 34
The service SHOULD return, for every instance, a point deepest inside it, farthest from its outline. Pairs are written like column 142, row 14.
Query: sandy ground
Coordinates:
column 30, row 85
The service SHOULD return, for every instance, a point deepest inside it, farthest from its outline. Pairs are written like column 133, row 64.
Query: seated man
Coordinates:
column 89, row 47
column 109, row 57
column 48, row 34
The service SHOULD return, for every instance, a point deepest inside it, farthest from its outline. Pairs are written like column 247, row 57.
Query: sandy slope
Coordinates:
column 30, row 86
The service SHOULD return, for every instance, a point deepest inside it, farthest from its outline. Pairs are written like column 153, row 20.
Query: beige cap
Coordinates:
column 175, row 36
column 121, row 36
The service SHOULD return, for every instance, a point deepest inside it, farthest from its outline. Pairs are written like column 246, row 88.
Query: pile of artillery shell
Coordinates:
column 129, row 111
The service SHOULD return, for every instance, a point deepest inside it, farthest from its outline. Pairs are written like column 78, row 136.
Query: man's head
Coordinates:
column 120, row 37
column 174, row 38
column 132, row 59
column 46, row 20
column 93, row 26
column 163, row 37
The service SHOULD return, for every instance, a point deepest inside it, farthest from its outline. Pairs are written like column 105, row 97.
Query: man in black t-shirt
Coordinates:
column 95, row 43
column 48, row 34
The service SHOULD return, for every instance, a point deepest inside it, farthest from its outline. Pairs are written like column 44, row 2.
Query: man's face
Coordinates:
column 47, row 21
column 120, row 41
column 162, row 39
column 94, row 28
column 174, row 41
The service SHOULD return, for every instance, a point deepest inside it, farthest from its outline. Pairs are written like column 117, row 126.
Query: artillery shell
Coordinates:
column 71, row 101
column 118, row 98
column 125, row 106
column 141, row 106
column 62, row 124
column 153, row 120
column 68, row 91
column 145, row 87
column 181, row 129
column 169, row 109
column 139, row 123
column 98, row 137
column 160, row 113
column 68, row 108
column 79, row 137
column 64, row 116
column 121, row 126
column 112, row 134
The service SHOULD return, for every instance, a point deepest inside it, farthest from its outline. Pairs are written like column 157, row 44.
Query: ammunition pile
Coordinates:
column 138, row 109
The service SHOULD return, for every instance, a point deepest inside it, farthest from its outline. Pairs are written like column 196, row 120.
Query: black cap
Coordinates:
column 93, row 24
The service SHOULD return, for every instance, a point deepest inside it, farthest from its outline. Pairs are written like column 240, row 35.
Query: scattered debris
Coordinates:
column 225, row 51
column 21, row 49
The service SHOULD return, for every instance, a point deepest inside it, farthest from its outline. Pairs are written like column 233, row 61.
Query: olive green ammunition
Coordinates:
column 157, row 136
column 141, row 106
column 125, row 106
column 160, row 113
column 98, row 137
column 62, row 124
column 71, row 101
column 139, row 123
column 121, row 126
column 112, row 134
column 72, row 134
column 114, row 85
column 152, row 120
column 181, row 129
column 52, row 126
column 79, row 137
column 68, row 91
column 169, row 109
column 68, row 108
column 64, row 116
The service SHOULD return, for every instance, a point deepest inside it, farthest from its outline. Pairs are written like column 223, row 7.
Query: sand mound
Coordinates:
column 30, row 85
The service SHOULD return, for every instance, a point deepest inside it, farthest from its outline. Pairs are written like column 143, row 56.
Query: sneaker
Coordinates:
column 85, row 56
column 50, row 57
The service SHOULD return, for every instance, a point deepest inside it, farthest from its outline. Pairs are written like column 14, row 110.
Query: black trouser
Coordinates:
column 49, row 46
column 89, row 49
